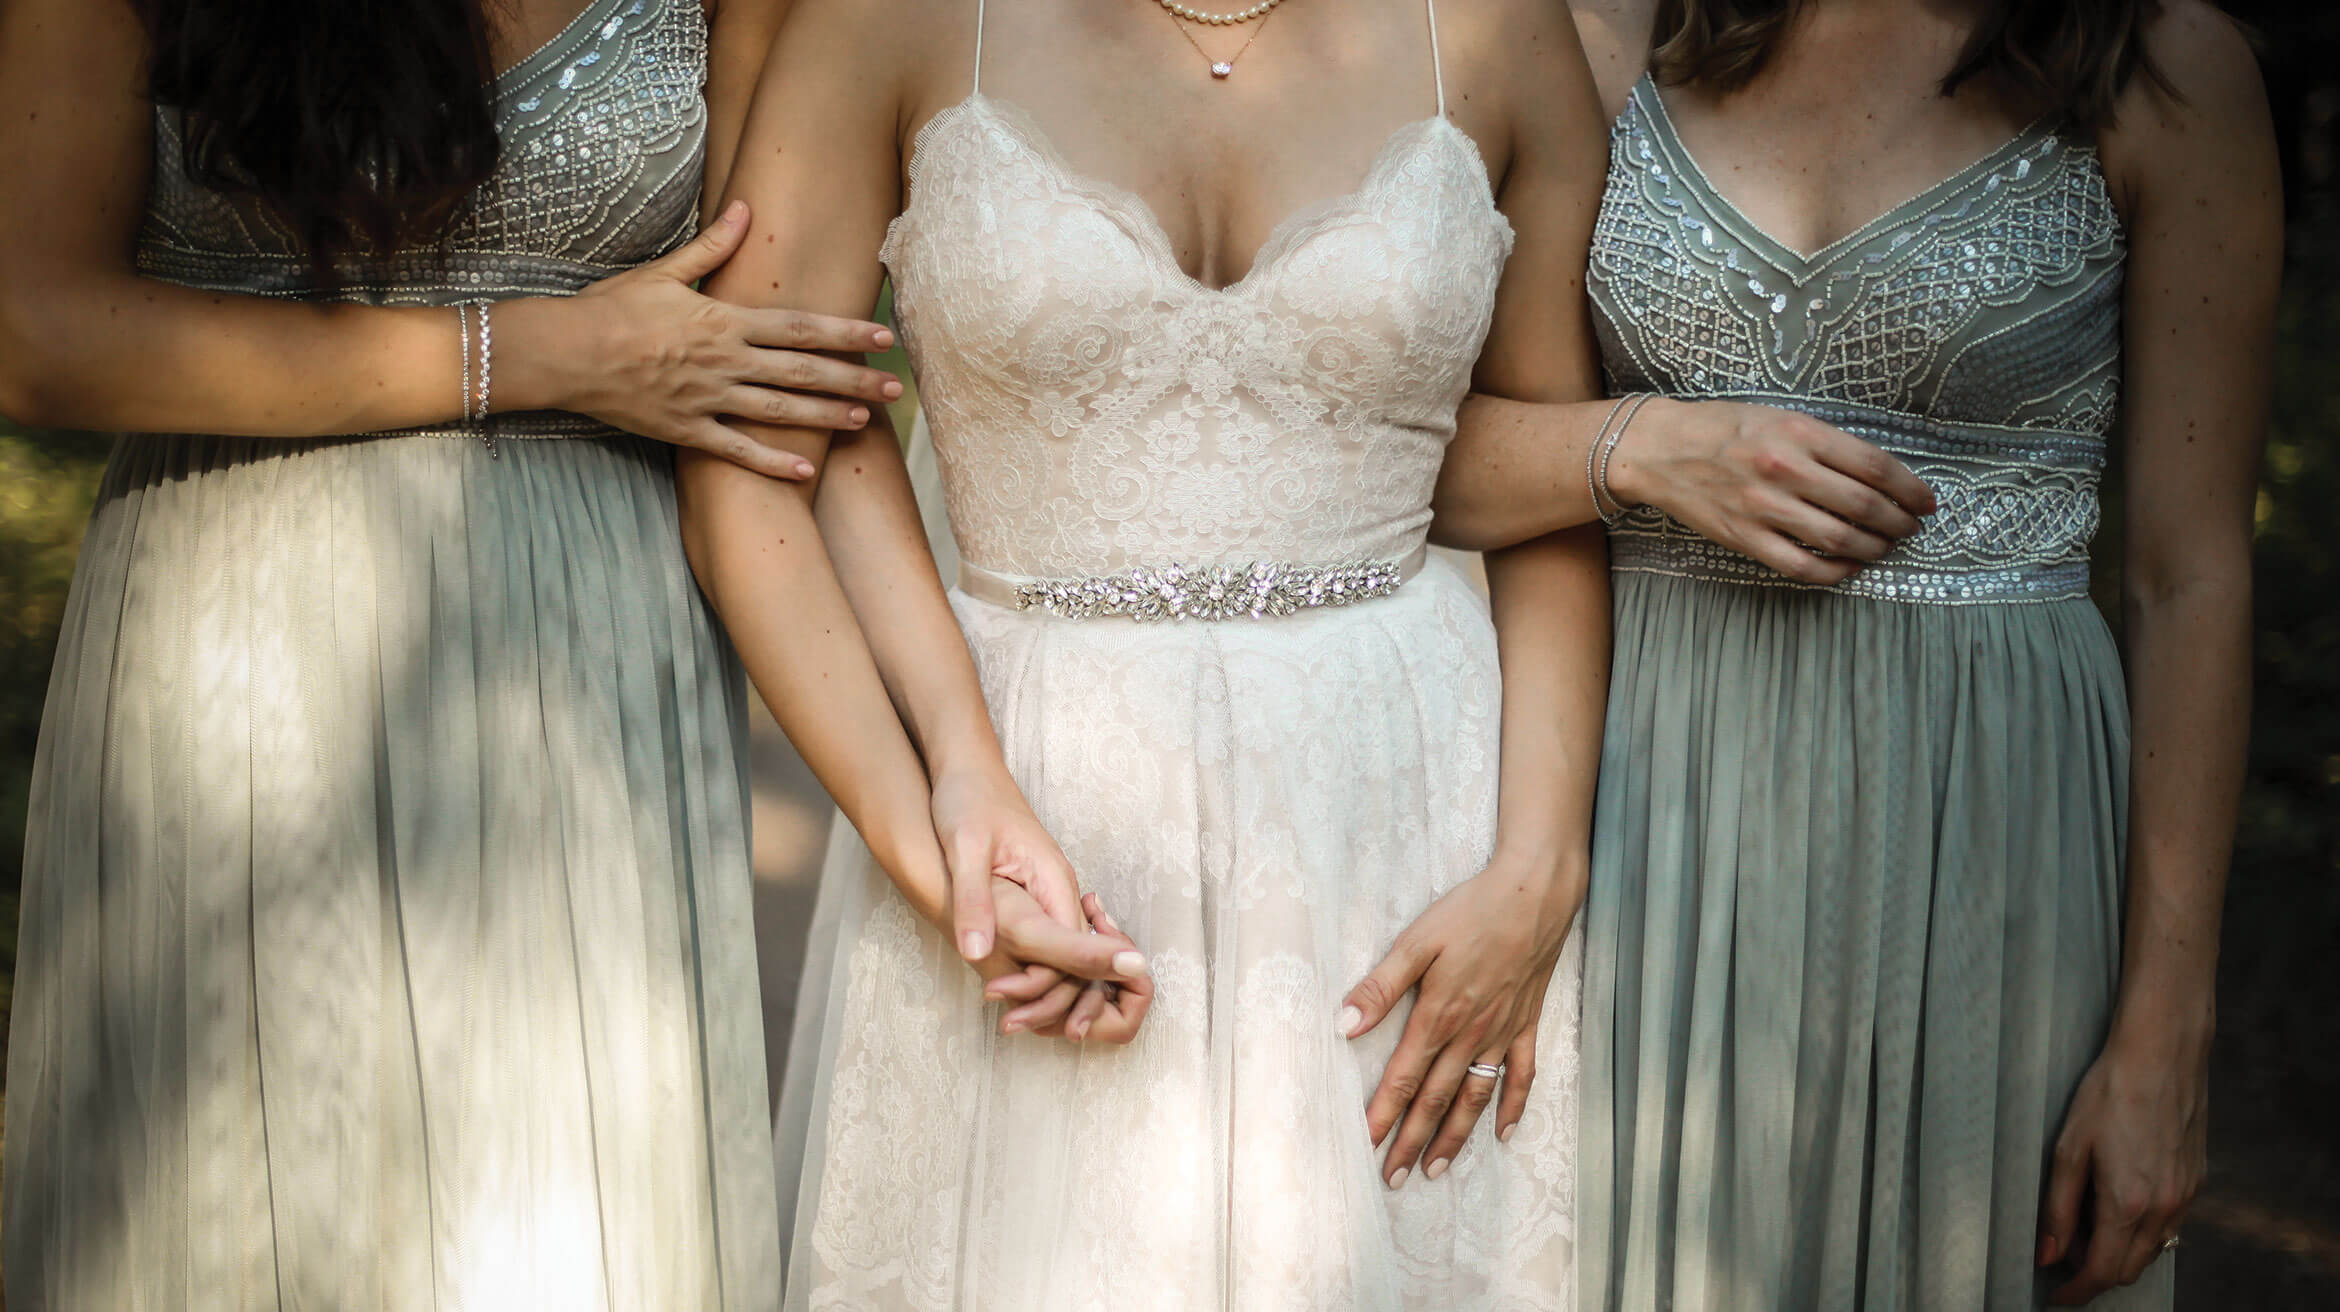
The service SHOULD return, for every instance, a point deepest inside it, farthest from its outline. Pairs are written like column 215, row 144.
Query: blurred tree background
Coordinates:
column 2266, row 1233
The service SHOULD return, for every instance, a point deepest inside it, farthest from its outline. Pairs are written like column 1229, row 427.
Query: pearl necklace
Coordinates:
column 1193, row 15
column 1221, row 69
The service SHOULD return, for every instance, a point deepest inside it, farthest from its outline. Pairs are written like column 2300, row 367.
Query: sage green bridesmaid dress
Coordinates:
column 386, row 937
column 1854, row 925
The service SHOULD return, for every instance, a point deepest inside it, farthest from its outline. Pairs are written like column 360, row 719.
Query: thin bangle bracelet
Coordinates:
column 487, row 355
column 1592, row 455
column 463, row 336
column 1608, row 449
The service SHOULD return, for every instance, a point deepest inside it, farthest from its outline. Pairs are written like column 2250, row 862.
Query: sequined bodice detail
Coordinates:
column 1974, row 331
column 1094, row 408
column 603, row 143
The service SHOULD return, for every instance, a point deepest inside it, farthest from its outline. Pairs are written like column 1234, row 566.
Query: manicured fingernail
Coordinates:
column 1435, row 1169
column 733, row 212
column 882, row 338
column 803, row 468
column 1397, row 1178
column 892, row 389
column 975, row 944
column 1350, row 1019
column 1129, row 963
column 1504, row 1135
column 857, row 416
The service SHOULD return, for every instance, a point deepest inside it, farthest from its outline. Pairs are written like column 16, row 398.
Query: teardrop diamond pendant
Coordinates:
column 1223, row 70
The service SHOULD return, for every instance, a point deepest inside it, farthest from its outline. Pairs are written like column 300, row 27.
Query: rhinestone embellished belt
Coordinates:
column 2015, row 509
column 1256, row 590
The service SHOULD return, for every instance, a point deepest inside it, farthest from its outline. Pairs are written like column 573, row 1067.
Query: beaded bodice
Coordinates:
column 1974, row 331
column 603, row 135
column 1094, row 408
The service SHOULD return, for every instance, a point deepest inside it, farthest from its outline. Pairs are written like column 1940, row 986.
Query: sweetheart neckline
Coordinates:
column 1145, row 225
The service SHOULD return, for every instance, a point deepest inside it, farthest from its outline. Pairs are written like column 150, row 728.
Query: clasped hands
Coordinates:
column 1480, row 959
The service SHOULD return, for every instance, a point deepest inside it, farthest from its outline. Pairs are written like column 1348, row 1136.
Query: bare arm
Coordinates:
column 1765, row 482
column 1483, row 955
column 739, row 38
column 85, row 342
column 1761, row 481
column 2205, row 256
column 820, row 163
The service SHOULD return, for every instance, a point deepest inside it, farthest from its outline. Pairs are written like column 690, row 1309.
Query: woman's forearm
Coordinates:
column 760, row 560
column 869, row 520
column 2189, row 677
column 121, row 352
column 1515, row 471
column 1551, row 606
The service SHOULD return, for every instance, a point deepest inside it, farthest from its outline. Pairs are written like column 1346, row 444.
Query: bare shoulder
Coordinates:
column 1514, row 68
column 902, row 43
column 2206, row 118
column 1509, row 44
column 1616, row 43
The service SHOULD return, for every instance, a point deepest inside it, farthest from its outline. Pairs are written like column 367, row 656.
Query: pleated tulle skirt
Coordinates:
column 1853, row 939
column 1264, row 805
column 386, row 937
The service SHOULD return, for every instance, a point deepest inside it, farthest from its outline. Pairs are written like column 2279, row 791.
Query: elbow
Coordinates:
column 1459, row 533
column 695, row 517
column 28, row 395
column 1456, row 522
column 1473, row 528
column 2214, row 573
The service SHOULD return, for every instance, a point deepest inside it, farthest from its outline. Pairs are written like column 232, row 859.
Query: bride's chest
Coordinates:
column 1008, row 256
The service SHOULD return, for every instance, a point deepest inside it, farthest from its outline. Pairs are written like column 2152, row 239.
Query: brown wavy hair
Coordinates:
column 2074, row 58
column 362, row 123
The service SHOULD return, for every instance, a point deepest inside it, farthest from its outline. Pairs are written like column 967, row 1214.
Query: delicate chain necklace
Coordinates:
column 1222, row 69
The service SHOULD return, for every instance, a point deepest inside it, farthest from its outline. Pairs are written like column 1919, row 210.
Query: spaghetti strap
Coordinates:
column 977, row 88
column 1437, row 74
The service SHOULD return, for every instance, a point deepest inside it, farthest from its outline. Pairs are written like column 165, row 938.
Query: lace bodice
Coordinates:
column 1095, row 408
column 1974, row 331
column 604, row 135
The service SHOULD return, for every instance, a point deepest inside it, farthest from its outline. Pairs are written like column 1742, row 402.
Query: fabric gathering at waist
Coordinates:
column 2015, row 511
column 527, row 425
column 1228, row 591
column 418, row 277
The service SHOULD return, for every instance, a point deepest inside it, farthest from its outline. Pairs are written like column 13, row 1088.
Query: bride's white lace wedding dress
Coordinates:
column 1263, row 801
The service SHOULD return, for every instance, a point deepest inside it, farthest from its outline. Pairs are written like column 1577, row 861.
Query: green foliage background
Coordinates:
column 47, row 482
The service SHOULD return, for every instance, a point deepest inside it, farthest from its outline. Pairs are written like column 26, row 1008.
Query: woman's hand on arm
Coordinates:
column 1765, row 482
column 86, row 342
column 2202, row 198
column 1481, row 957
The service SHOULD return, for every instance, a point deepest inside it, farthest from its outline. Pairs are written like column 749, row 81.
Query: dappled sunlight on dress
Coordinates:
column 386, row 936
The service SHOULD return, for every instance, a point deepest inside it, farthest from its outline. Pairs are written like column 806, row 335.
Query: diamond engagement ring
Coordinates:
column 1485, row 1069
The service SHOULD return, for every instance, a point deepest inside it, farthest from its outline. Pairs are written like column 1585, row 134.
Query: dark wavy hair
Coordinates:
column 2073, row 58
column 361, row 123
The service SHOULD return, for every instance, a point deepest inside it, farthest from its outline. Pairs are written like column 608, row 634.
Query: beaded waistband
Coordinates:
column 517, row 425
column 2016, row 508
column 1253, row 590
